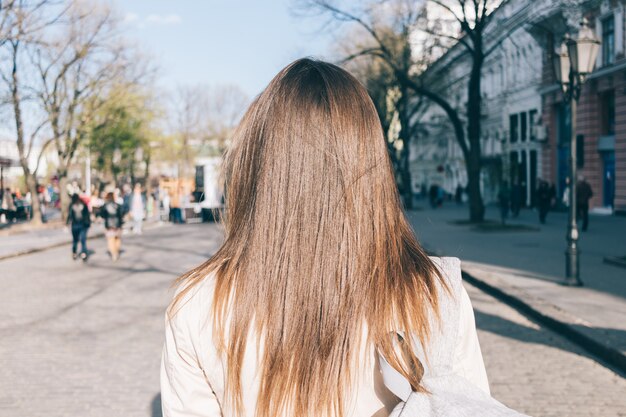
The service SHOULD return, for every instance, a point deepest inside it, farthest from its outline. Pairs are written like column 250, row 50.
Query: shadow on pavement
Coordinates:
column 156, row 406
column 506, row 328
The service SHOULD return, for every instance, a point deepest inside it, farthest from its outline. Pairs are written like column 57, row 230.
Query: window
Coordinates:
column 513, row 127
column 523, row 126
column 608, row 113
column 608, row 40
column 532, row 116
column 580, row 151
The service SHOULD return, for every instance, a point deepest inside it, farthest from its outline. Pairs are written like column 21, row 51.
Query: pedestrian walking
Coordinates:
column 137, row 205
column 583, row 195
column 9, row 209
column 458, row 195
column 433, row 194
column 318, row 289
column 165, row 205
column 113, row 220
column 79, row 219
column 565, row 197
column 504, row 201
column 552, row 191
column 175, row 204
column 516, row 199
column 543, row 198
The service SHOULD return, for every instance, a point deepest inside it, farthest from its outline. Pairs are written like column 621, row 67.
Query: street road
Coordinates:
column 85, row 340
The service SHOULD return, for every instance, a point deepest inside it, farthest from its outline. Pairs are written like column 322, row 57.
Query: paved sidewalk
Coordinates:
column 529, row 265
column 539, row 373
column 37, row 240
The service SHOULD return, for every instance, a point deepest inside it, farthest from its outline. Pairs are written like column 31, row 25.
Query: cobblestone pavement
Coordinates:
column 84, row 340
column 537, row 372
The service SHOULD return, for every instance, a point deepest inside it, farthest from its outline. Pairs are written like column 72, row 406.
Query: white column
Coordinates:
column 599, row 35
column 619, row 30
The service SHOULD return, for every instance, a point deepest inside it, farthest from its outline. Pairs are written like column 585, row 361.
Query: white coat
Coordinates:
column 193, row 374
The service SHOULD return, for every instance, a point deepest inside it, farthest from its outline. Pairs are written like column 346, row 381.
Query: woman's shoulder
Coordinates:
column 192, row 302
column 450, row 270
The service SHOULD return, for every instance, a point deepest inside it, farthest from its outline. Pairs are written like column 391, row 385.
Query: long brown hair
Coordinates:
column 317, row 248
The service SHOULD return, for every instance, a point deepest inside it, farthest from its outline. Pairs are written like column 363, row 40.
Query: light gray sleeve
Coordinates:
column 185, row 391
column 468, row 359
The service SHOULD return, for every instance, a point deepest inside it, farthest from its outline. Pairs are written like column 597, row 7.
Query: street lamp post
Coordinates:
column 573, row 63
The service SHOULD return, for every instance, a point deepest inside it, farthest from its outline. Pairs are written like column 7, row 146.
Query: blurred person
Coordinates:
column 176, row 208
column 458, row 194
column 543, row 197
column 125, row 193
column 566, row 191
column 43, row 200
column 583, row 195
column 517, row 192
column 137, row 206
column 552, row 188
column 441, row 195
column 79, row 219
column 9, row 209
column 504, row 201
column 111, row 212
column 165, row 205
column 320, row 280
column 119, row 198
column 73, row 188
column 150, row 205
column 28, row 205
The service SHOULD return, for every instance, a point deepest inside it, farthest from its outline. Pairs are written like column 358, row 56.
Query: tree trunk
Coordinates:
column 31, row 181
column 37, row 215
column 64, row 197
column 473, row 160
column 148, row 186
column 405, row 135
column 405, row 172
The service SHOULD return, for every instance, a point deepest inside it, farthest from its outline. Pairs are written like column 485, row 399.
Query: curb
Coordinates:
column 607, row 356
column 616, row 261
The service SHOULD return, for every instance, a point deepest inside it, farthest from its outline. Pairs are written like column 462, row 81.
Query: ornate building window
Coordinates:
column 608, row 40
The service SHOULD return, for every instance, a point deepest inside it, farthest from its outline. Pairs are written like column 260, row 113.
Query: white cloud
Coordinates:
column 169, row 19
column 153, row 19
column 131, row 17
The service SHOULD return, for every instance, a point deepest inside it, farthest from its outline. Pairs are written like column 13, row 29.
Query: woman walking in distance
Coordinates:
column 112, row 215
column 319, row 274
column 79, row 219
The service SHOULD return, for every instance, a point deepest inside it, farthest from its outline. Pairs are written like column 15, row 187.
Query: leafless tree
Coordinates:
column 393, row 27
column 84, row 61
column 204, row 118
column 21, row 23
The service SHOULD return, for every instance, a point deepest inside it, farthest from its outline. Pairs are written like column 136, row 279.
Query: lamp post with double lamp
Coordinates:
column 573, row 63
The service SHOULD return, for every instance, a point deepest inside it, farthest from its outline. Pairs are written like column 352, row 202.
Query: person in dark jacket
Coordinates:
column 112, row 214
column 543, row 200
column 516, row 198
column 78, row 218
column 504, row 200
column 583, row 195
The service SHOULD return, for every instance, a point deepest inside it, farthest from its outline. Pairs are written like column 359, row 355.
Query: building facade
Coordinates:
column 511, row 110
column 601, row 114
column 525, row 125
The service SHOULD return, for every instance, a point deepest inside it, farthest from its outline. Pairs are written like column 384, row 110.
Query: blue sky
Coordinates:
column 242, row 42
